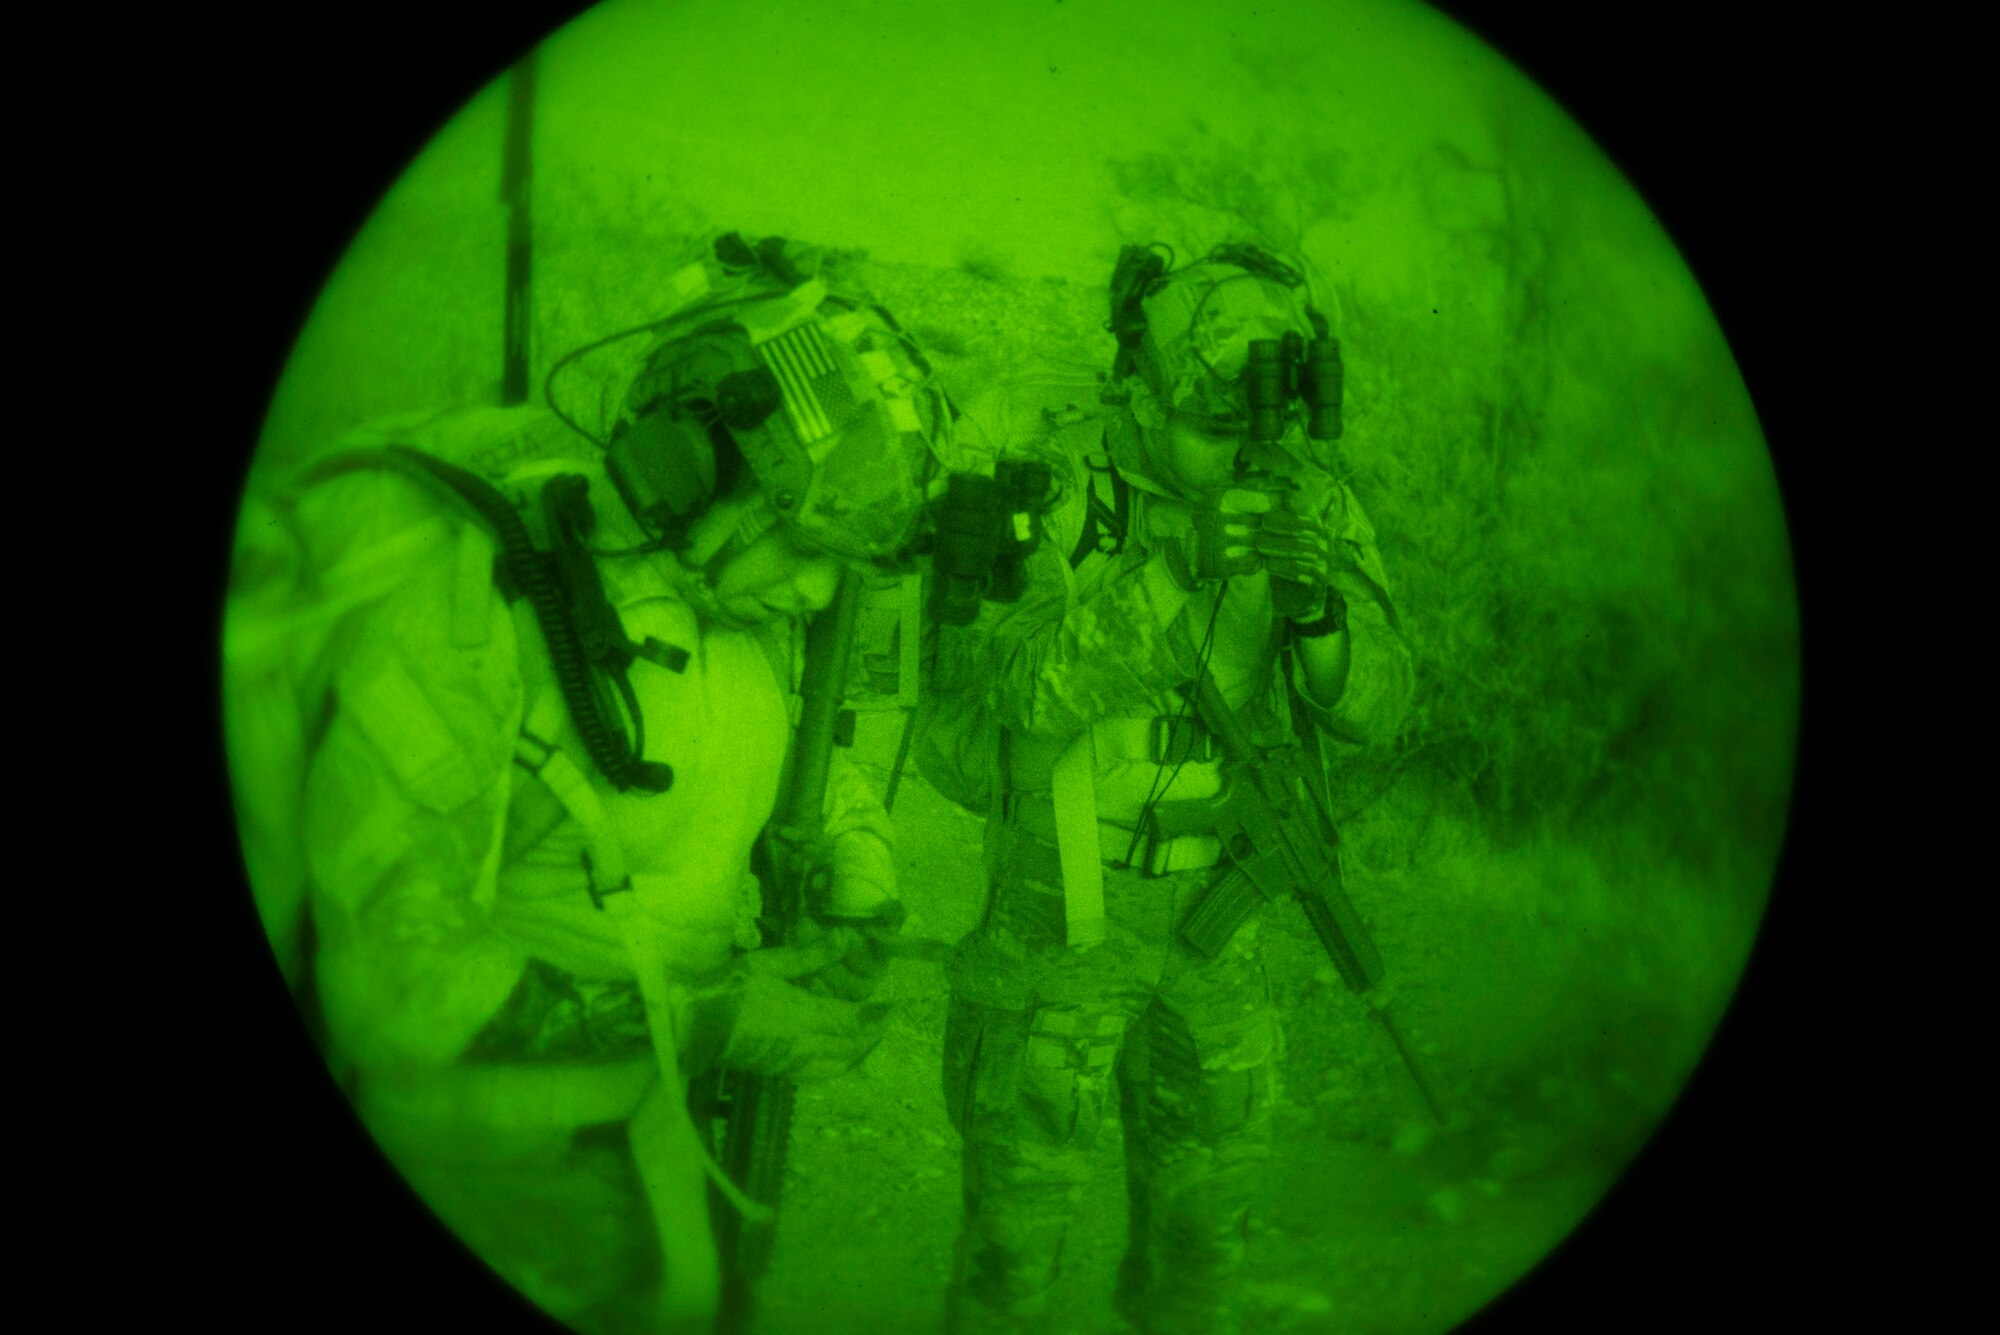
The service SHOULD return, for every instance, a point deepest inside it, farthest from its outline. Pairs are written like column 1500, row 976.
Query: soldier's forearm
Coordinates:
column 864, row 876
column 1327, row 660
column 1166, row 594
column 1375, row 685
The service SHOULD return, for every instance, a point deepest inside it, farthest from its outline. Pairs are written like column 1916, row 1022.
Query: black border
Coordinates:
column 205, row 171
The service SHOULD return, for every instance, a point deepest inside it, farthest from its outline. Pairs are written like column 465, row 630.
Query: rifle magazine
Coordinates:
column 1225, row 906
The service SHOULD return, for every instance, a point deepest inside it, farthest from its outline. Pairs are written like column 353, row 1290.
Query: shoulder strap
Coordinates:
column 1121, row 502
column 1101, row 521
column 1086, row 540
column 553, row 583
column 672, row 1160
column 1073, row 790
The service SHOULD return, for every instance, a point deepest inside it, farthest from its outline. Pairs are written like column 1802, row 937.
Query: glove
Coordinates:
column 783, row 1030
column 1225, row 542
column 1296, row 547
column 844, row 959
column 1210, row 542
column 861, row 954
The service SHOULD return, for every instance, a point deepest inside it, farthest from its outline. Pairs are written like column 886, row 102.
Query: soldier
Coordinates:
column 1203, row 532
column 508, row 709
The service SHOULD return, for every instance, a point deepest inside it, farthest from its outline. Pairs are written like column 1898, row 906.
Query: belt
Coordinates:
column 1162, row 740
column 1152, row 856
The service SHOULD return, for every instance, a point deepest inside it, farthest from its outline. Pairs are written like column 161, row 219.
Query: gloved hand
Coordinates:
column 783, row 1030
column 841, row 958
column 1224, row 541
column 1211, row 540
column 1297, row 546
column 861, row 952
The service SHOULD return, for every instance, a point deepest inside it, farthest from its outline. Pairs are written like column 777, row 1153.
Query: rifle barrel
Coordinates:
column 516, row 170
column 757, row 1138
column 1410, row 1062
column 828, row 640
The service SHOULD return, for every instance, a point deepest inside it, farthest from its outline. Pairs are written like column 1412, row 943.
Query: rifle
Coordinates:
column 516, row 167
column 756, row 1111
column 1280, row 846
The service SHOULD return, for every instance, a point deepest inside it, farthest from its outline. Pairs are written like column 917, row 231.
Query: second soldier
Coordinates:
column 1204, row 533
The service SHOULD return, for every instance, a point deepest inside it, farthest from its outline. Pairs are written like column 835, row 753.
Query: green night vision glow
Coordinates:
column 1061, row 668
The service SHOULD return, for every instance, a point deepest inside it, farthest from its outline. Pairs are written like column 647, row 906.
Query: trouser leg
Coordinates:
column 1198, row 1136
column 1030, row 1097
column 1135, row 1268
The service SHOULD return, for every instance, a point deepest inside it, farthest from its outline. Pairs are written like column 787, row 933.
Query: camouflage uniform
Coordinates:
column 433, row 891
column 1039, row 1032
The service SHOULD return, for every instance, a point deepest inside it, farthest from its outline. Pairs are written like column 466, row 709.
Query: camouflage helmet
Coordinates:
column 817, row 399
column 1199, row 322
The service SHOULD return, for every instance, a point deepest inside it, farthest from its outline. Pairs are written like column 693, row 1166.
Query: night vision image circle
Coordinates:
column 1106, row 666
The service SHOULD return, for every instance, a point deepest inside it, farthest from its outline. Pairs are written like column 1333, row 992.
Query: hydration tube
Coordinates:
column 535, row 573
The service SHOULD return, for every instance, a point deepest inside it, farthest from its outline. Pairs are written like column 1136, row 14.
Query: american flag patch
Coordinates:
column 816, row 395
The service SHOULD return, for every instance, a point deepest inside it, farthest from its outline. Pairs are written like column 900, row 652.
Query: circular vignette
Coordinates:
column 1776, row 360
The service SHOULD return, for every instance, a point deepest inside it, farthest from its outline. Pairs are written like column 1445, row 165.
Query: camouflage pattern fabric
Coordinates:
column 1038, row 1038
column 1198, row 334
column 1039, row 1035
column 1058, row 665
column 857, row 427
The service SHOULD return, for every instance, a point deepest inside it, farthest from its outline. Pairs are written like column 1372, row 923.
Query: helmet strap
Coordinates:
column 732, row 525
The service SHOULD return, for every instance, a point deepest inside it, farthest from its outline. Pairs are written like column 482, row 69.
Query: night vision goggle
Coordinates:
column 982, row 530
column 1276, row 371
column 1281, row 370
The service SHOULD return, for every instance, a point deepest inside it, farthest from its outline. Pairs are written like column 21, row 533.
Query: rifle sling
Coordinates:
column 670, row 1141
column 1073, row 785
column 1308, row 735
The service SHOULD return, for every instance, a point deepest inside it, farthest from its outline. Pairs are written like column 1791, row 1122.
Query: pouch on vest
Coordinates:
column 394, row 711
